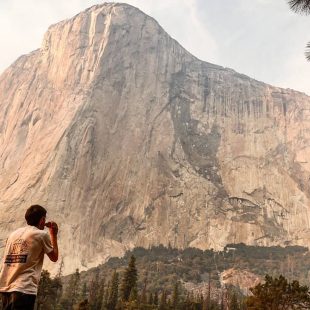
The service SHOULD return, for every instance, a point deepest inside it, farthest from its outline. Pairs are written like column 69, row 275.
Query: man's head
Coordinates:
column 35, row 216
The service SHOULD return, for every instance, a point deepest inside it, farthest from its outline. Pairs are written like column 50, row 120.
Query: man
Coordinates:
column 23, row 260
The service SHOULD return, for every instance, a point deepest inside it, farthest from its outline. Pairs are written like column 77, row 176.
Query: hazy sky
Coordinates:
column 260, row 38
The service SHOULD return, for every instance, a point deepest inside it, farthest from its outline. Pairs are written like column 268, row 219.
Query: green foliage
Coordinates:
column 96, row 292
column 72, row 293
column 301, row 7
column 150, row 300
column 84, row 291
column 113, row 292
column 156, row 300
column 164, row 270
column 144, row 298
column 133, row 294
column 233, row 302
column 176, row 296
column 100, row 295
column 163, row 301
column 84, row 305
column 278, row 293
column 129, row 281
column 49, row 292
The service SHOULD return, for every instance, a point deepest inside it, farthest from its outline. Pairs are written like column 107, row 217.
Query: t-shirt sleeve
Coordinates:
column 47, row 244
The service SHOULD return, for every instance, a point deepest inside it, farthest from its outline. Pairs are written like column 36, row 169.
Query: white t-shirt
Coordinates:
column 23, row 260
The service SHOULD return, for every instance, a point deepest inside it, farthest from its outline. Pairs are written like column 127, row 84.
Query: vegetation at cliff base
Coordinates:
column 167, row 278
column 278, row 293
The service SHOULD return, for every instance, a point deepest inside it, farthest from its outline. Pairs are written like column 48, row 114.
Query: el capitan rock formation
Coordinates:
column 129, row 140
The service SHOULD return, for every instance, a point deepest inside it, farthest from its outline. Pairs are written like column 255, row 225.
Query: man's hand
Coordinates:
column 53, row 228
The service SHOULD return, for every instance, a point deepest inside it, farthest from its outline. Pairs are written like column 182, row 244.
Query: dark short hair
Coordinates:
column 34, row 214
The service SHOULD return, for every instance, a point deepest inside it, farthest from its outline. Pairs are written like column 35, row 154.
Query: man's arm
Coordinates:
column 53, row 230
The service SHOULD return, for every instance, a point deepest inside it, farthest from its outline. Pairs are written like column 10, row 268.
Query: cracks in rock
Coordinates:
column 283, row 158
column 149, row 139
column 277, row 204
column 237, row 201
column 150, row 207
column 250, row 212
column 200, row 149
column 262, row 196
column 143, row 26
column 262, row 237
column 246, row 210
column 206, row 93
column 14, row 181
column 176, row 195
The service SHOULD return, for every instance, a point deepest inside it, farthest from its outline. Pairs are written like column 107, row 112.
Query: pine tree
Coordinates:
column 169, row 303
column 57, row 288
column 129, row 281
column 205, row 304
column 150, row 300
column 163, row 301
column 175, row 296
column 49, row 292
column 84, row 291
column 57, row 283
column 73, row 290
column 93, row 292
column 106, row 297
column 302, row 6
column 233, row 302
column 44, row 291
column 143, row 299
column 133, row 303
column 222, row 301
column 209, row 293
column 84, row 305
column 188, row 301
column 100, row 294
column 156, row 300
column 133, row 294
column 278, row 293
column 113, row 293
column 200, row 300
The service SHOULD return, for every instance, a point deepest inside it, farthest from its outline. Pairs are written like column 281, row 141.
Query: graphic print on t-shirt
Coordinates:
column 18, row 252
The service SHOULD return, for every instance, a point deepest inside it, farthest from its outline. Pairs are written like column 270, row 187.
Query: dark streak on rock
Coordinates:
column 200, row 149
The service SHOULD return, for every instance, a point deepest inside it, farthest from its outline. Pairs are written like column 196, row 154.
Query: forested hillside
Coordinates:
column 161, row 275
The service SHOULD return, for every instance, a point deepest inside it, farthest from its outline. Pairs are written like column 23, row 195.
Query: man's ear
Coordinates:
column 42, row 222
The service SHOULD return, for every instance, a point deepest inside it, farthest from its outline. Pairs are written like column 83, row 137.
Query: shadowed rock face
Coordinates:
column 129, row 140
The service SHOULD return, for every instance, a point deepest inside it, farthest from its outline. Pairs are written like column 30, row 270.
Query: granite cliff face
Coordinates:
column 129, row 140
